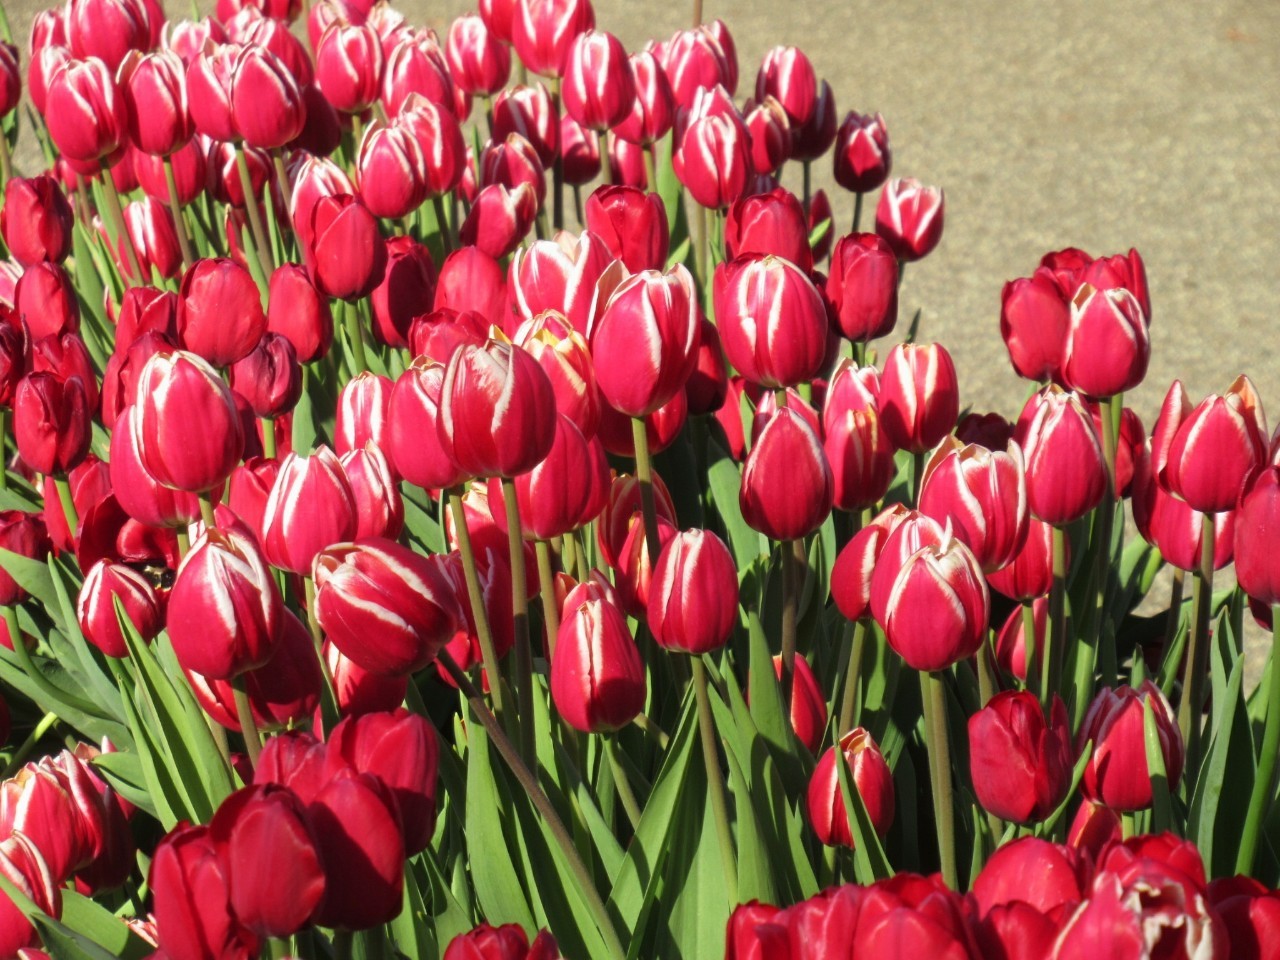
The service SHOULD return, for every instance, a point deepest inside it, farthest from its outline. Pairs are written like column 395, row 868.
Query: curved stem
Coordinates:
column 622, row 782
column 715, row 781
column 935, row 706
column 488, row 652
column 651, row 729
column 858, row 635
column 520, row 616
column 1260, row 797
column 117, row 218
column 206, row 510
column 33, row 738
column 547, row 585
column 552, row 819
column 790, row 602
column 175, row 208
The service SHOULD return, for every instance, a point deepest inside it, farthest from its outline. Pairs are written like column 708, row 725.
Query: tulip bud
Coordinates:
column 499, row 219
column 661, row 428
column 171, row 389
column 478, row 59
column 155, row 241
column 542, row 32
column 269, row 378
column 51, row 422
column 597, row 677
column 416, row 65
column 658, row 313
column 224, row 609
column 559, row 275
column 471, row 280
column 412, row 437
column 511, row 162
column 349, row 63
column 408, row 284
column 347, row 255
column 1035, row 324
column 787, row 75
column 808, row 703
column 46, row 301
column 1174, row 528
column 311, row 506
column 632, row 224
column 653, row 110
column 24, row 534
column 863, row 286
column 1206, row 455
column 1256, row 521
column 104, row 584
column 1117, row 773
column 1066, row 475
column 84, row 110
column 787, row 486
column 379, row 508
column 220, row 312
column 984, row 496
column 565, row 490
column 107, row 29
column 357, row 690
column 871, row 777
column 598, row 88
column 391, row 171
column 863, row 157
column 526, row 110
column 693, row 596
column 387, row 608
column 769, row 223
column 713, row 161
column 36, row 220
column 190, row 884
column 296, row 311
column 919, row 399
column 851, row 576
column 139, row 494
column 696, row 60
column 10, row 79
column 1020, row 764
column 1107, row 346
column 909, row 217
column 622, row 504
column 1030, row 573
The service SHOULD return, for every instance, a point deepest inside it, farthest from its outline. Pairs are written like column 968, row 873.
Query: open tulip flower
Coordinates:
column 467, row 493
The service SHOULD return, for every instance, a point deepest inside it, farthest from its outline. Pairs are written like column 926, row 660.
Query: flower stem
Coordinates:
column 858, row 640
column 857, row 211
column 342, row 944
column 1260, row 797
column 1055, row 643
column 1198, row 652
column 547, row 584
column 442, row 221
column 557, row 169
column 117, row 218
column 934, row 694
column 484, row 634
column 606, row 167
column 328, row 694
column 355, row 333
column 790, row 602
column 622, row 782
column 33, row 739
column 1029, row 643
column 268, row 438
column 63, row 486
column 175, row 208
column 715, row 781
column 520, row 616
column 206, row 510
column 255, row 217
column 644, row 476
column 248, row 726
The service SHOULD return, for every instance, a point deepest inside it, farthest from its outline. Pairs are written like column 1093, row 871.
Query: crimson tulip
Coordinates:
column 632, row 224
column 693, row 594
column 364, row 407
column 297, row 311
column 1107, row 346
column 597, row 677
column 85, row 113
column 191, row 888
column 863, row 157
column 542, row 32
column 527, row 111
column 46, row 301
column 919, row 398
column 220, row 312
column 984, row 496
column 769, row 223
column 349, row 64
column 105, row 584
column 51, row 422
column 36, row 220
column 391, row 170
column 872, row 779
column 863, row 286
column 597, row 88
column 713, row 161
column 909, row 217
column 1117, row 772
column 311, row 506
column 347, row 255
column 478, row 59
column 1035, row 321
column 787, row 486
column 1066, row 474
column 1019, row 761
column 653, row 110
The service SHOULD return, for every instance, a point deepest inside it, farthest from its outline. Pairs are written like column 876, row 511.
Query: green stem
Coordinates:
column 184, row 541
column 488, row 652
column 442, row 221
column 586, row 886
column 917, row 475
column 1174, row 614
column 28, row 745
column 622, row 782
column 36, row 675
column 651, row 729
column 282, row 179
column 557, row 169
column 715, row 781
column 934, row 694
column 248, row 726
column 702, row 249
column 1029, row 643
column 268, row 438
column 644, row 476
column 206, row 510
column 547, row 584
column 355, row 333
column 857, row 211
column 848, row 704
column 342, row 944
column 255, row 217
column 520, row 616
column 606, row 166
column 1056, row 637
column 116, row 213
column 329, row 714
column 1260, row 797
column 175, row 208
column 790, row 602
column 1198, row 653
column 63, row 486
column 650, row 176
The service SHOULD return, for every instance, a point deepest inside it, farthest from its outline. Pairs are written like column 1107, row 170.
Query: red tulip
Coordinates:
column 1256, row 520
column 507, row 942
column 872, row 779
column 1066, row 475
column 787, row 485
column 984, row 496
column 104, row 585
column 653, row 110
column 786, row 74
column 697, row 60
column 1107, row 346
column 542, row 32
column 863, row 157
column 863, row 286
column 408, row 284
column 478, row 59
column 623, row 504
column 1020, row 764
column 193, row 915
column 311, row 506
column 693, row 594
column 813, row 138
column 598, row 88
column 220, row 312
column 1036, row 873
column 909, row 217
column 919, row 399
column 349, row 63
column 855, row 564
column 84, row 110
column 713, row 161
column 267, row 104
column 597, row 677
column 561, row 276
column 808, row 704
column 471, row 280
column 296, row 311
column 412, row 437
column 1174, row 528
column 527, row 111
column 1035, row 322
column 51, row 422
column 769, row 223
column 46, row 302
column 391, row 171
column 444, row 153
column 511, row 162
column 10, row 79
column 107, row 29
column 632, row 224
column 1117, row 772
column 416, row 66
column 858, row 450
column 499, row 219
column 347, row 255
column 357, row 690
column 36, row 220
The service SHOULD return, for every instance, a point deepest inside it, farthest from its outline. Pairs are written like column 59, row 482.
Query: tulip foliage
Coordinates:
column 459, row 502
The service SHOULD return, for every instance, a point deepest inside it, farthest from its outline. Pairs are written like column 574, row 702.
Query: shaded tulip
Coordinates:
column 984, row 496
column 863, row 157
column 46, row 301
column 413, row 439
column 632, row 224
column 471, row 280
column 1020, row 764
column 51, row 422
column 808, row 704
column 787, row 486
column 1066, row 475
column 542, row 32
column 499, row 219
column 909, row 217
column 507, row 942
column 379, row 507
column 919, row 398
column 347, row 255
column 190, row 885
column 84, row 111
column 1107, row 346
column 1035, row 322
column 106, row 584
column 870, row 776
column 220, row 312
column 561, row 492
column 1116, row 774
column 661, row 428
column 597, row 677
column 36, row 220
column 527, row 111
column 154, row 238
column 349, row 64
column 1257, row 521
column 621, row 506
column 408, row 284
column 856, row 562
column 769, row 137
column 769, row 223
column 269, row 377
column 358, row 691
column 139, row 494
column 1042, row 875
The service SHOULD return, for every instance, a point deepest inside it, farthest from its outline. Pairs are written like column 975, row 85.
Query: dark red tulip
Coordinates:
column 499, row 219
column 191, row 888
column 472, row 280
column 632, row 224
column 269, row 378
column 1019, row 762
column 872, row 779
column 407, row 286
column 220, row 312
column 46, row 301
column 597, row 677
column 51, row 422
column 36, row 220
column 23, row 534
column 919, row 398
column 347, row 255
column 909, row 217
column 863, row 286
column 1035, row 323
column 790, row 508
column 769, row 223
column 297, row 311
column 863, row 157
column 104, row 585
column 1117, row 771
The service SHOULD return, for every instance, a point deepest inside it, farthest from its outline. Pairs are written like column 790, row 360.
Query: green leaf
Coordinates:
column 86, row 917
column 1217, row 812
column 1077, row 774
column 124, row 772
column 1161, row 810
column 725, row 481
column 869, row 860
column 33, row 576
column 767, row 706
column 59, row 942
column 818, row 233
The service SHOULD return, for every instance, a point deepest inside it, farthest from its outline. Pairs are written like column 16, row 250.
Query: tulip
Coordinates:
column 387, row 608
column 787, row 486
column 621, row 505
column 542, row 32
column 499, row 219
column 390, row 171
column 209, row 84
column 697, row 60
column 437, row 132
column 104, row 585
column 84, row 111
column 713, row 161
column 634, row 568
column 808, row 703
column 224, row 610
column 527, row 111
column 478, row 59
column 653, row 110
column 692, row 603
column 155, row 241
column 1249, row 911
column 379, row 508
column 1206, row 455
column 872, row 779
column 580, row 151
column 107, row 29
column 769, row 223
column 657, row 313
column 435, row 336
column 1066, row 474
column 772, row 321
column 984, row 496
column 89, row 483
column 416, row 65
column 632, row 224
column 311, row 506
column 708, row 386
column 357, row 690
column 562, row 276
column 786, row 74
column 597, row 677
column 269, row 378
column 46, row 302
column 560, row 493
column 1117, row 772
column 36, row 220
column 347, row 255
column 598, row 88
column 909, row 217
column 1032, row 872
column 1107, row 346
column 852, row 573
column 51, row 422
column 863, row 286
column 1020, row 764
column 1035, row 322
column 172, row 388
column 863, row 157
column 507, row 942
column 140, row 495
column 399, row 749
column 349, row 63
column 413, row 441
column 10, row 79
column 858, row 450
column 1175, row 529
column 472, row 280
column 296, row 311
column 1256, row 521
column 220, row 312
column 919, row 399
column 409, row 282
column 267, row 104
column 193, row 914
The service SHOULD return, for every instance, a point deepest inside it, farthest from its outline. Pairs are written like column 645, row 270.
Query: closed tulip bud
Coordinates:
column 1257, row 570
column 154, row 238
column 379, row 507
column 1107, row 346
column 347, row 254
column 107, row 29
column 46, row 301
column 358, row 691
column 787, row 486
column 172, row 388
column 364, row 868
column 25, row 535
column 220, row 312
column 984, row 496
column 90, row 482
column 262, row 825
column 597, row 677
column 191, row 888
column 863, row 157
column 311, row 506
column 598, row 88
column 497, row 407
column 652, row 112
column 557, row 495
column 772, row 321
column 714, row 161
column 562, row 276
column 390, row 171
column 154, row 88
column 919, row 398
column 1035, row 322
column 295, row 310
column 855, row 564
column 443, row 151
column 472, row 281
column 498, row 16
column 273, row 35
column 936, row 609
column 563, row 354
column 500, row 219
column 1012, row 644
column 349, row 63
column 104, row 584
column 511, row 162
column 45, row 62
column 768, row 136
column 269, row 378
column 1174, row 527
column 408, row 284
column 860, row 454
column 659, row 314
column 15, row 355
column 542, row 32
column 1030, row 573
column 693, row 595
column 527, row 111
column 787, row 75
column 863, row 286
column 387, row 608
column 209, row 88
column 632, row 224
column 507, row 942
column 84, row 110
column 267, row 105
column 1117, row 773
column 412, row 439
column 1206, row 454
column 416, row 65
column 478, row 59
column 1020, row 764
column 36, row 220
column 697, row 60
column 249, row 488
column 909, row 217
column 225, row 610
column 622, row 504
column 769, row 223
column 708, row 386
column 399, row 749
column 51, row 421
column 872, row 779
column 1066, row 475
